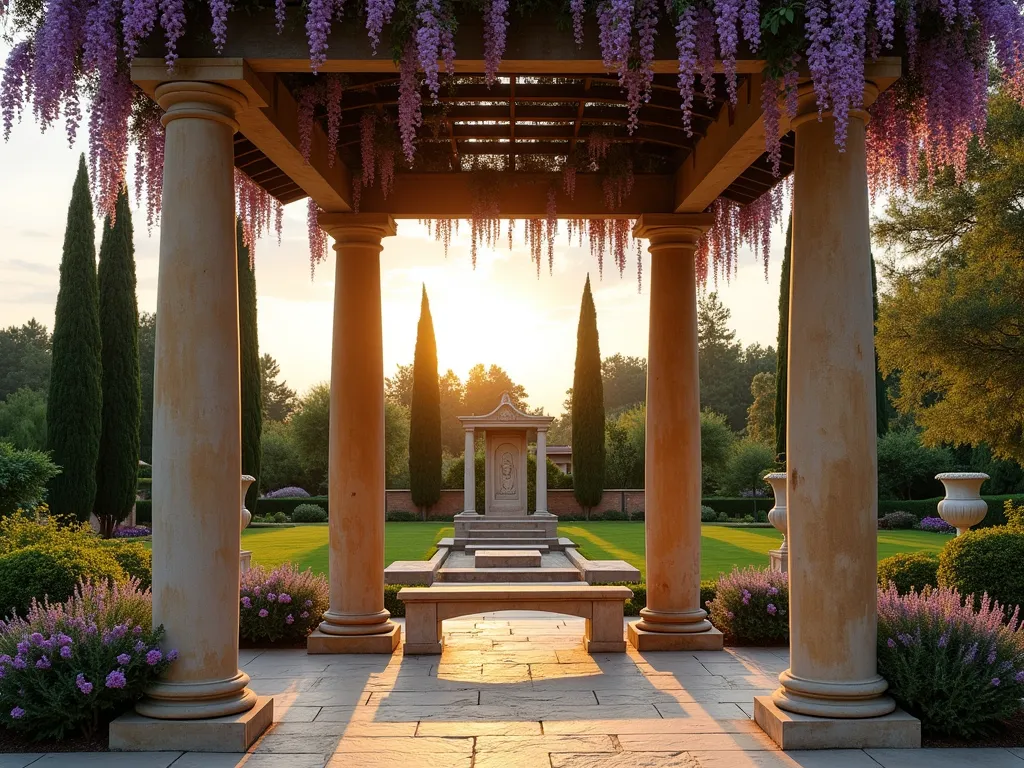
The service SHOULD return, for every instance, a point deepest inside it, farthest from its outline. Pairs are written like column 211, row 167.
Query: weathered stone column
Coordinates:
column 197, row 440
column 356, row 621
column 831, row 455
column 673, row 618
column 469, row 473
column 542, row 470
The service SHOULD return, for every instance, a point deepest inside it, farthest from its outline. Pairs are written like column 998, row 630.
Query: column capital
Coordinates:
column 193, row 98
column 807, row 104
column 358, row 228
column 673, row 229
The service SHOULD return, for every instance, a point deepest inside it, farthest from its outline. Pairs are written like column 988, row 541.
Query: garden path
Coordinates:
column 517, row 691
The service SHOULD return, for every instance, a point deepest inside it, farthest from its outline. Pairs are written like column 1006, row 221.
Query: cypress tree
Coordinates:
column 782, row 363
column 588, row 454
column 249, row 367
column 425, row 415
column 117, row 470
column 881, row 395
column 74, row 405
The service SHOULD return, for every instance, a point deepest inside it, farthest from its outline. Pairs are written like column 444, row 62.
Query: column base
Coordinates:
column 645, row 640
column 778, row 560
column 422, row 649
column 132, row 732
column 244, row 560
column 896, row 730
column 385, row 642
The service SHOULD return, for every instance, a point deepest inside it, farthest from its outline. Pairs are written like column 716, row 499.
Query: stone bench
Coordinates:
column 427, row 607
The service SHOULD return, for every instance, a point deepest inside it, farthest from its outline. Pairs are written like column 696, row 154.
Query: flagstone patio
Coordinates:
column 517, row 690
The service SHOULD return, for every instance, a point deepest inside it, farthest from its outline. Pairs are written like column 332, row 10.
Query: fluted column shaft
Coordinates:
column 469, row 473
column 542, row 470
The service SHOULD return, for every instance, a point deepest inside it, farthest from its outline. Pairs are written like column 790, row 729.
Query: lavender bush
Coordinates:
column 291, row 492
column 67, row 665
column 936, row 525
column 131, row 531
column 959, row 670
column 751, row 606
column 284, row 604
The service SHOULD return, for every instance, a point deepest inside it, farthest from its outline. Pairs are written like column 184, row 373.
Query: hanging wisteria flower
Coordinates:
column 279, row 15
column 368, row 145
column 686, row 47
column 139, row 18
column 332, row 95
column 409, row 115
column 16, row 85
column 172, row 19
column 428, row 42
column 576, row 7
column 378, row 13
column 727, row 14
column 495, row 24
column 219, row 12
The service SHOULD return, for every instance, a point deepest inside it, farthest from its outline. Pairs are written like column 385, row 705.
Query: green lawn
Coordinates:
column 722, row 547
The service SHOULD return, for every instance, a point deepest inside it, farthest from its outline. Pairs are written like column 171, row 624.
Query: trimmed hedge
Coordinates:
column 923, row 508
column 915, row 570
column 273, row 506
column 144, row 512
column 988, row 561
column 52, row 571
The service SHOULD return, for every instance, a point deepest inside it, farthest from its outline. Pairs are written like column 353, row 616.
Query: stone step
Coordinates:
column 506, row 523
column 507, row 558
column 511, row 547
column 503, row 533
column 505, row 575
column 488, row 542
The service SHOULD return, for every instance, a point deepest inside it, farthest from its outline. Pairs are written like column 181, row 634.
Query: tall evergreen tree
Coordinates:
column 588, row 451
column 881, row 395
column 782, row 365
column 249, row 366
column 74, row 405
column 117, row 470
column 425, row 415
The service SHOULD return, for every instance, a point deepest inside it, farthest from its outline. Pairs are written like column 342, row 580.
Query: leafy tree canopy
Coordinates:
column 279, row 400
column 951, row 324
column 761, row 413
column 24, row 358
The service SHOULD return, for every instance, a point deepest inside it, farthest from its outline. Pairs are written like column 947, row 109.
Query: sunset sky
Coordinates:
column 500, row 313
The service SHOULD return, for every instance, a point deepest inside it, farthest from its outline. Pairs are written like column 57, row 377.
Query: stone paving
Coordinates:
column 517, row 690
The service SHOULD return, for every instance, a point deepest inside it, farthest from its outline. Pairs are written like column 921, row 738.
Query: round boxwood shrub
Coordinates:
column 909, row 571
column 41, row 571
column 986, row 561
column 708, row 515
column 134, row 559
column 309, row 513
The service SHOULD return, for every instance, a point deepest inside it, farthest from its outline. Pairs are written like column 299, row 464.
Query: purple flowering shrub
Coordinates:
column 936, row 525
column 291, row 492
column 64, row 666
column 751, row 606
column 283, row 604
column 957, row 669
column 131, row 531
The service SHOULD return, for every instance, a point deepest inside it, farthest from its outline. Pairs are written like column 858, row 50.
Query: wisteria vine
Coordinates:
column 67, row 55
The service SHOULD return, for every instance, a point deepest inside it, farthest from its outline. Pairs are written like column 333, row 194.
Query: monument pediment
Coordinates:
column 506, row 415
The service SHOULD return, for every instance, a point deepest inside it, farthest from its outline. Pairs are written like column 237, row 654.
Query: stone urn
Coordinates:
column 963, row 506
column 777, row 517
column 247, row 480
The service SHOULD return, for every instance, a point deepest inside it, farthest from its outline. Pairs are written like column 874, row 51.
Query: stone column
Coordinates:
column 469, row 473
column 542, row 470
column 673, row 618
column 356, row 621
column 197, row 439
column 831, row 448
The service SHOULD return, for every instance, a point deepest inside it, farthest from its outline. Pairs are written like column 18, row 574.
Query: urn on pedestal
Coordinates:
column 963, row 506
column 777, row 517
column 245, row 556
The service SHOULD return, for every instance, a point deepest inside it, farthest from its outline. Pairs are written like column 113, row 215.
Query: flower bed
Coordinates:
column 936, row 525
column 960, row 670
column 132, row 531
column 68, row 666
column 282, row 605
column 751, row 607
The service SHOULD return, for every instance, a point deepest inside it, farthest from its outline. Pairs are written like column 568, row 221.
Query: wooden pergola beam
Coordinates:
column 271, row 123
column 736, row 140
column 523, row 195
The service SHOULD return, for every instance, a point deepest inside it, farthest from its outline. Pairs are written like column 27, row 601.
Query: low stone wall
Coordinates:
column 560, row 502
